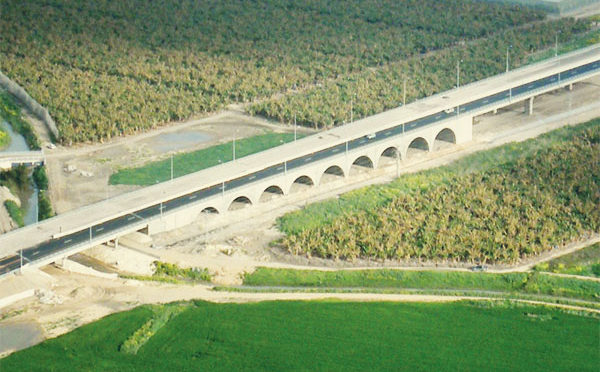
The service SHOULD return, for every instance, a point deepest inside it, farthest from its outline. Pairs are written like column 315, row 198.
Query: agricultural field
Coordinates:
column 108, row 68
column 194, row 161
column 324, row 335
column 584, row 262
column 375, row 90
column 495, row 206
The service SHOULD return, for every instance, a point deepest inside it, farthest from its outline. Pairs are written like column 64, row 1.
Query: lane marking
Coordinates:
column 252, row 177
column 99, row 228
column 35, row 253
column 131, row 218
column 193, row 197
column 67, row 241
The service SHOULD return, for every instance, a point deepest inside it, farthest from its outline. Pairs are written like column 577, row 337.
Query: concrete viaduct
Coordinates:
column 393, row 136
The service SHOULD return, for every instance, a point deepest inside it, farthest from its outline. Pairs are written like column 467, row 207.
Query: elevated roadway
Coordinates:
column 419, row 124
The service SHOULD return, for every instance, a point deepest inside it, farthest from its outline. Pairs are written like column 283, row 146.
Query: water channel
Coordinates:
column 29, row 194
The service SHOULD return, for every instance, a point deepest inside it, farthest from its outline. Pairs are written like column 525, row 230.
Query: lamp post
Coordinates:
column 458, row 73
column 295, row 129
column 404, row 93
column 507, row 57
column 556, row 43
column 234, row 133
column 171, row 167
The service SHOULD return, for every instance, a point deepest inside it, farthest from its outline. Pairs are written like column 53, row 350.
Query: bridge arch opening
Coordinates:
column 240, row 202
column 389, row 156
column 444, row 139
column 417, row 148
column 360, row 165
column 209, row 210
column 270, row 193
column 333, row 173
column 301, row 183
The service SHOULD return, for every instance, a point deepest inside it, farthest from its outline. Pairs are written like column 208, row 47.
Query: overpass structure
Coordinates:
column 12, row 159
column 392, row 135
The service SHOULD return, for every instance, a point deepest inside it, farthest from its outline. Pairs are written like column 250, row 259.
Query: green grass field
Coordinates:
column 584, row 262
column 389, row 279
column 194, row 161
column 329, row 335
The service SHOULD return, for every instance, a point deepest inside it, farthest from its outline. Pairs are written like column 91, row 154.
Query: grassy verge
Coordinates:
column 190, row 162
column 499, row 205
column 576, row 42
column 584, row 262
column 529, row 283
column 11, row 112
column 14, row 212
column 170, row 273
column 330, row 335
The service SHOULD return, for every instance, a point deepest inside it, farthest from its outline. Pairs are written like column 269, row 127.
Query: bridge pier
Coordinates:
column 571, row 87
column 529, row 106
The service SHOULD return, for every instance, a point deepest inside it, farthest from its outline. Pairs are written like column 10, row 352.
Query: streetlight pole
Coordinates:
column 507, row 58
column 458, row 74
column 351, row 110
column 404, row 93
column 234, row 146
column 171, row 167
column 295, row 129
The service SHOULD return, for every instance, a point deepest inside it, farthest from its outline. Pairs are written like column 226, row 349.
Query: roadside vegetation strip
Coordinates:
column 325, row 335
column 104, row 71
column 11, row 113
column 162, row 314
column 539, row 198
column 530, row 283
column 579, row 41
column 194, row 161
column 374, row 91
column 171, row 273
column 584, row 262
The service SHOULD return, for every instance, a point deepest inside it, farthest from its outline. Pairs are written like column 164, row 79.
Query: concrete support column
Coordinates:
column 529, row 106
column 463, row 129
column 116, row 243
column 495, row 111
column 570, row 86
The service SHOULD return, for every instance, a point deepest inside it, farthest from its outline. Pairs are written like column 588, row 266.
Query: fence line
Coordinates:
column 41, row 112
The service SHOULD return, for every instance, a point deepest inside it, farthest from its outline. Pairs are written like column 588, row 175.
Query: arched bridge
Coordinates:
column 392, row 136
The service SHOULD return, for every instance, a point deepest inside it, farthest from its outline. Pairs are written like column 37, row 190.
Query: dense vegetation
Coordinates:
column 584, row 262
column 389, row 279
column 499, row 206
column 172, row 273
column 11, row 113
column 376, row 90
column 104, row 67
column 185, row 163
column 40, row 178
column 465, row 336
column 4, row 139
